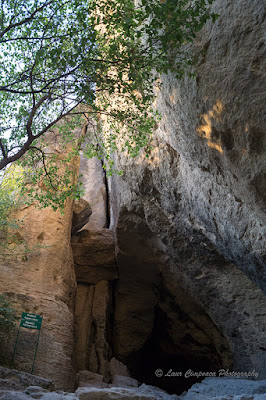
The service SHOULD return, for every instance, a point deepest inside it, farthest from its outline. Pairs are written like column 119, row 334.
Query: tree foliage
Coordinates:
column 57, row 57
column 9, row 192
column 15, row 194
column 10, row 200
column 8, row 315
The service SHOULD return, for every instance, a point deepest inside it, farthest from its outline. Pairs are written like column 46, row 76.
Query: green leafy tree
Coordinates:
column 62, row 58
column 10, row 199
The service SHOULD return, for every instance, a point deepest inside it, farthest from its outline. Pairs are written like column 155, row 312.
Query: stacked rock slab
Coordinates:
column 95, row 266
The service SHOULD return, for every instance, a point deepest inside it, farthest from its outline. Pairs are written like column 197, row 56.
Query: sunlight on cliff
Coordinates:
column 205, row 130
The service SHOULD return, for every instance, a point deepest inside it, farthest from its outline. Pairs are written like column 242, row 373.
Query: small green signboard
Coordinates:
column 29, row 321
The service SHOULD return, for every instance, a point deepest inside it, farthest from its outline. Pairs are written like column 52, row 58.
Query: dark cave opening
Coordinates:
column 160, row 362
column 148, row 363
column 158, row 324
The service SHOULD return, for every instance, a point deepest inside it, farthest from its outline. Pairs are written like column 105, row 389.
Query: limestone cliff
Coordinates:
column 190, row 220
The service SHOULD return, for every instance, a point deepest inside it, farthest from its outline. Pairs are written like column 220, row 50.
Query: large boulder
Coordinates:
column 81, row 215
column 94, row 256
column 144, row 392
column 11, row 379
column 227, row 389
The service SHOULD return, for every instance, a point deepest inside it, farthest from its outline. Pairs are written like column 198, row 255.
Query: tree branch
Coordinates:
column 44, row 164
column 23, row 149
column 49, row 126
column 8, row 160
column 25, row 20
column 46, row 86
column 3, row 149
column 32, row 114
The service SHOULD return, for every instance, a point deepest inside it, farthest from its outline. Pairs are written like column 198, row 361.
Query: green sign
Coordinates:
column 31, row 321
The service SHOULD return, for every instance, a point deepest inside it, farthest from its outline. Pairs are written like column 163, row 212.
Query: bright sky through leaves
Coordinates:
column 57, row 55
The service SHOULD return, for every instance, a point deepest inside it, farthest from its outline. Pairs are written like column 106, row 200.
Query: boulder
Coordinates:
column 143, row 393
column 227, row 389
column 94, row 256
column 118, row 368
column 15, row 396
column 90, row 379
column 11, row 379
column 81, row 215
column 123, row 381
column 94, row 185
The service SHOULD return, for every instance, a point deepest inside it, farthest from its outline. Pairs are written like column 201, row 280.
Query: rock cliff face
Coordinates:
column 176, row 283
column 190, row 220
column 43, row 282
column 95, row 266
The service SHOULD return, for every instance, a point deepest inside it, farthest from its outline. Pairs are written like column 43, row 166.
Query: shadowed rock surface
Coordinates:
column 190, row 220
column 11, row 379
column 81, row 215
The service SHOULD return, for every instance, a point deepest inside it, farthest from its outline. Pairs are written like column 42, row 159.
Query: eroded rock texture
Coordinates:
column 189, row 224
column 95, row 266
column 43, row 282
column 190, row 220
column 81, row 215
column 93, row 180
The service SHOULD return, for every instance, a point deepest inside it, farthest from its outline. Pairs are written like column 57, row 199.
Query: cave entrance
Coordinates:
column 157, row 323
column 181, row 350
